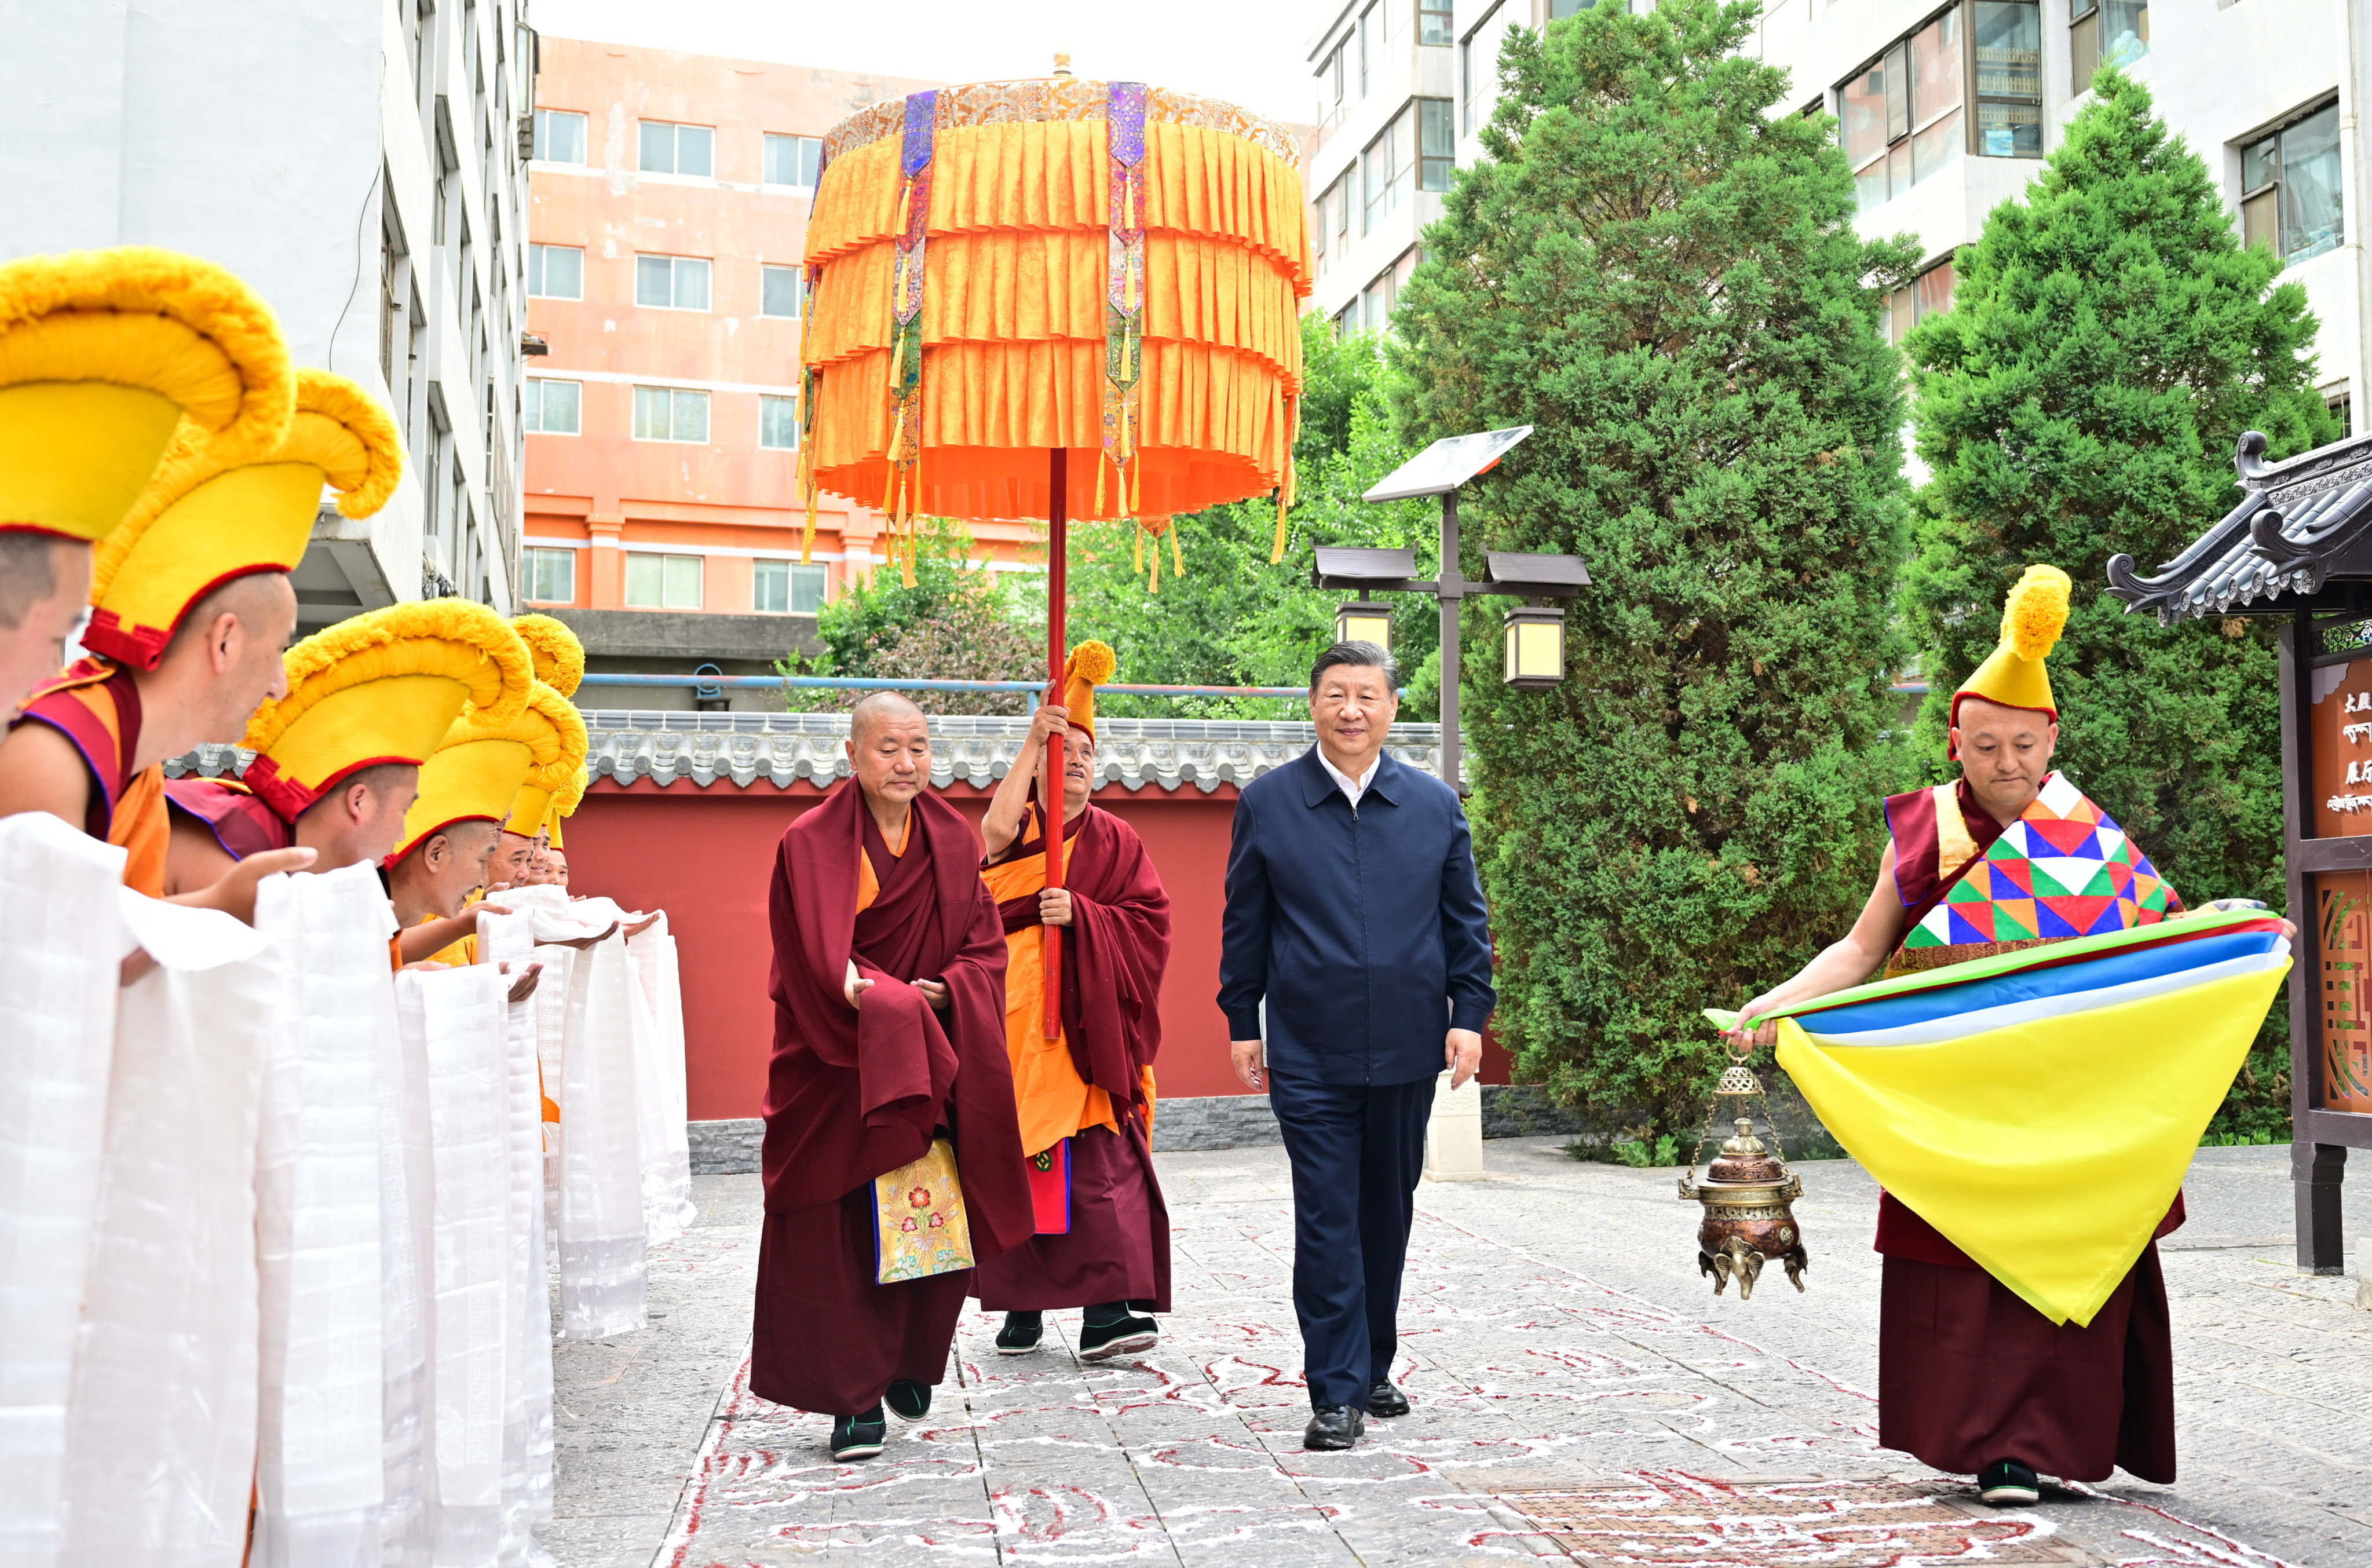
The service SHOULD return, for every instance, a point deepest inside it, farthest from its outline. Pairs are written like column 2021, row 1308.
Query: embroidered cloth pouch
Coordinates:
column 1050, row 1188
column 919, row 1227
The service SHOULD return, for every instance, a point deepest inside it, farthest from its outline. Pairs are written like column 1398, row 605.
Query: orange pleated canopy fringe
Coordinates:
column 1015, row 297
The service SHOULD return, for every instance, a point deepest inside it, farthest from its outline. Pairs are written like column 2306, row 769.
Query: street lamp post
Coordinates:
column 1535, row 642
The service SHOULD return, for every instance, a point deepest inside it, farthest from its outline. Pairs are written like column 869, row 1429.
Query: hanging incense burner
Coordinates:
column 1746, row 1193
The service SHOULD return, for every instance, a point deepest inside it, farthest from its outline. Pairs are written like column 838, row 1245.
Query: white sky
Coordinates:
column 1248, row 51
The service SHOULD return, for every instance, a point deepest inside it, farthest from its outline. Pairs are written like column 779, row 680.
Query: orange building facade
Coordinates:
column 669, row 207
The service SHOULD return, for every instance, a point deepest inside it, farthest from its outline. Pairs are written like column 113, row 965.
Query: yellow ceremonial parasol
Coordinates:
column 1053, row 298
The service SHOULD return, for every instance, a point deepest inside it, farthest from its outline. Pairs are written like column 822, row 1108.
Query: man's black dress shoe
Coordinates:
column 907, row 1400
column 1021, row 1333
column 1387, row 1401
column 858, row 1436
column 1334, row 1427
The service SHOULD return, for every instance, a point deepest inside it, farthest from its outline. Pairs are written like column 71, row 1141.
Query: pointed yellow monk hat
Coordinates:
column 102, row 353
column 2032, row 617
column 476, row 772
column 559, row 656
column 381, row 687
column 545, row 781
column 1090, row 664
column 208, row 518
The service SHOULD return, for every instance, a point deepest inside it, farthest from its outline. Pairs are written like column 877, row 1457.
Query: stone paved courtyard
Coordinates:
column 1580, row 1396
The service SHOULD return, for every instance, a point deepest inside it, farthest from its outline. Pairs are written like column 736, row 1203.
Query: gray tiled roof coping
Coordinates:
column 740, row 749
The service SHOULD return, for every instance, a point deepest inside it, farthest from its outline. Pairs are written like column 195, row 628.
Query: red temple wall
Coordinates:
column 706, row 856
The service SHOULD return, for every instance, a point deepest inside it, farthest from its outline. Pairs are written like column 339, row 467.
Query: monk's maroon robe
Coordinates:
column 852, row 1093
column 1969, row 1374
column 1114, row 953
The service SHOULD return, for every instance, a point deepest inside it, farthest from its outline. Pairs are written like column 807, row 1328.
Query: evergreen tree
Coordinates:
column 2110, row 339
column 1662, row 277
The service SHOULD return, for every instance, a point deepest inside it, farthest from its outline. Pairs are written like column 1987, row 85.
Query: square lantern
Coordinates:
column 1534, row 656
column 1364, row 620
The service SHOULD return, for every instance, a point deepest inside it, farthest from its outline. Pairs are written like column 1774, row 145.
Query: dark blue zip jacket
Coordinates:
column 1364, row 930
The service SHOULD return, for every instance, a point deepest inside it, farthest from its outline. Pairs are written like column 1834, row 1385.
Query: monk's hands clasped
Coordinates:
column 934, row 991
column 1055, row 906
column 856, row 985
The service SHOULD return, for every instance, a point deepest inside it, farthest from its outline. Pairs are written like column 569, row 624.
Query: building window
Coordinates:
column 1388, row 169
column 551, row 575
column 1478, row 62
column 2104, row 32
column 2008, row 70
column 1436, row 143
column 2342, row 404
column 780, row 588
column 780, row 290
column 671, row 283
column 559, row 135
column 662, row 582
column 1560, row 9
column 778, row 423
column 677, row 149
column 555, row 272
column 1929, row 292
column 795, row 161
column 2290, row 188
column 1903, row 115
column 1347, row 320
column 551, row 408
column 1373, row 23
column 670, row 413
column 1433, row 21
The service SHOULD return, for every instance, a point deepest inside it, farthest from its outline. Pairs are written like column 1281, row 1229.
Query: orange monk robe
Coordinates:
column 96, row 706
column 1087, row 1097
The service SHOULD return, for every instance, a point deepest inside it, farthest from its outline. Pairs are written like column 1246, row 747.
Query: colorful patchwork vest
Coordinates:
column 96, row 706
column 2062, row 869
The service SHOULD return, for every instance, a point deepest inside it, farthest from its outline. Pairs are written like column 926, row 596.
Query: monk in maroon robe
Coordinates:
column 888, row 988
column 1086, row 1099
column 1971, row 1378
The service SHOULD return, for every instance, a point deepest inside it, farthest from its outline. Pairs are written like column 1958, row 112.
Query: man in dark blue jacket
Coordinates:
column 1352, row 911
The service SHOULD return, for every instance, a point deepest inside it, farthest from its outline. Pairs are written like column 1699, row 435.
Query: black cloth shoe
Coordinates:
column 1021, row 1333
column 907, row 1400
column 2009, row 1484
column 858, row 1436
column 1334, row 1427
column 1387, row 1401
column 1124, row 1335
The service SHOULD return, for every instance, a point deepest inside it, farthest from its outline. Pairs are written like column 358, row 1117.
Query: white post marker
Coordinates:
column 1453, row 1134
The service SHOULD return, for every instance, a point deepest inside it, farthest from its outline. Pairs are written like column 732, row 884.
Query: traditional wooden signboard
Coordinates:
column 2298, row 548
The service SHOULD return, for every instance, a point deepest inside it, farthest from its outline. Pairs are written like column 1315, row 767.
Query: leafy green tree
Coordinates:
column 2110, row 339
column 1662, row 278
column 958, row 621
column 1233, row 618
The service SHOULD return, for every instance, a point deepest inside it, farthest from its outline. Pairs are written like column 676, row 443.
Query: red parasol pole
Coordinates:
column 1050, row 775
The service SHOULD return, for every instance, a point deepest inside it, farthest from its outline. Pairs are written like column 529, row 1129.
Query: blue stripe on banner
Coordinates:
column 2064, row 982
column 1959, row 1026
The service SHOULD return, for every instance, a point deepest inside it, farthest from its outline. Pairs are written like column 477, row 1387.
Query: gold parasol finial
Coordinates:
column 1062, row 62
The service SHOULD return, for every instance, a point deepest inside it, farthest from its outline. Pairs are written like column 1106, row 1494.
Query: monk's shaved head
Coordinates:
column 876, row 707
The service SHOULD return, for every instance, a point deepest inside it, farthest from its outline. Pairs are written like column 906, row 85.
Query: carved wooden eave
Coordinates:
column 2300, row 538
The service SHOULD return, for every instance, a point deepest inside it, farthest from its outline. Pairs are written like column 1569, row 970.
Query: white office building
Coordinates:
column 363, row 166
column 1945, row 110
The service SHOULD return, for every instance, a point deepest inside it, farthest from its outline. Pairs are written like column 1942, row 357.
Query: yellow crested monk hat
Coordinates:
column 379, row 688
column 103, row 353
column 559, row 656
column 477, row 771
column 539, row 796
column 1090, row 664
column 2032, row 617
column 564, row 802
column 211, row 515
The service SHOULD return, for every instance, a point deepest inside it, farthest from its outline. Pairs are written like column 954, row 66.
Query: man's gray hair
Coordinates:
column 1366, row 655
